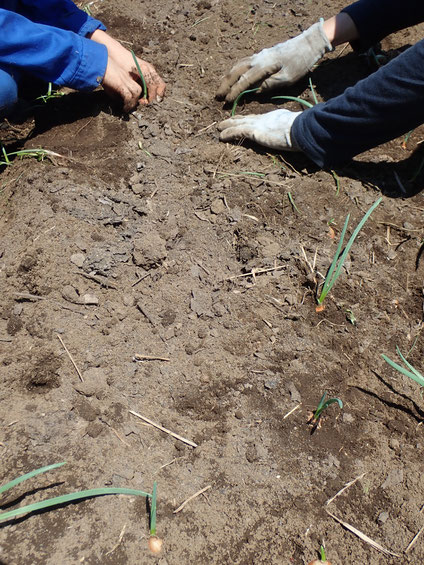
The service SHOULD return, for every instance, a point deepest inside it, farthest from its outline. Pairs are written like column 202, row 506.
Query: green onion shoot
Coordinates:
column 143, row 82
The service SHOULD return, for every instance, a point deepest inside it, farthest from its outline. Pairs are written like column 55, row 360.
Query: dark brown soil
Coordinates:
column 151, row 237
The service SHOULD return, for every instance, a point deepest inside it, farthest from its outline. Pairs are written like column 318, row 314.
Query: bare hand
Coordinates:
column 122, row 78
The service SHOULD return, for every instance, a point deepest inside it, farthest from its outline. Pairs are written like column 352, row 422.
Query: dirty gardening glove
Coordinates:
column 271, row 129
column 278, row 66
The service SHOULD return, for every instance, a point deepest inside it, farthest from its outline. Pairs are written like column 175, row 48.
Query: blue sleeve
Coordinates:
column 63, row 14
column 376, row 19
column 54, row 55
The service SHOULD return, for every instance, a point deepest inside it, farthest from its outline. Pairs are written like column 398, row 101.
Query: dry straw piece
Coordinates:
column 162, row 429
column 363, row 536
column 70, row 357
column 195, row 495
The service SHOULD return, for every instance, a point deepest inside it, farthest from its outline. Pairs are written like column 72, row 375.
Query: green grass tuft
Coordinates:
column 339, row 258
column 323, row 404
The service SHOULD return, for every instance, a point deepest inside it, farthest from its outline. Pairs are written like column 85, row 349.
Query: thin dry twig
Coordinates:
column 28, row 296
column 170, row 462
column 121, row 535
column 118, row 435
column 139, row 357
column 155, row 190
column 347, row 485
column 162, row 429
column 255, row 272
column 292, row 410
column 363, row 536
column 414, row 540
column 200, row 217
column 79, row 131
column 332, row 324
column 311, row 267
column 205, row 129
column 96, row 279
column 141, row 279
column 195, row 495
column 70, row 357
column 342, row 50
column 202, row 267
column 400, row 228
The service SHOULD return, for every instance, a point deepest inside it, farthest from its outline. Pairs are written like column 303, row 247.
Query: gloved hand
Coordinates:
column 271, row 129
column 278, row 66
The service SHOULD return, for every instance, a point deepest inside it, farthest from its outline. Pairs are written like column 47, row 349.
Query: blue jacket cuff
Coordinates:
column 91, row 25
column 91, row 69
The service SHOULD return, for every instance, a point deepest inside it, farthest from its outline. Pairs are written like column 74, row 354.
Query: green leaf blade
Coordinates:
column 153, row 510
column 27, row 476
column 314, row 96
column 418, row 379
column 410, row 367
column 295, row 99
column 239, row 97
column 143, row 82
column 72, row 497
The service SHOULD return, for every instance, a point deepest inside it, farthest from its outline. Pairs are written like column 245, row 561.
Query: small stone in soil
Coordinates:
column 383, row 517
column 90, row 299
column 78, row 259
column 271, row 384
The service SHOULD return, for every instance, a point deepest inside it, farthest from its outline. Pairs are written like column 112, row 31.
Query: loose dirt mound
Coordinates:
column 150, row 237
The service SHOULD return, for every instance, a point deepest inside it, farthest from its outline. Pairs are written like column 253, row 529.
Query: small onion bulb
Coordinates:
column 155, row 544
column 319, row 562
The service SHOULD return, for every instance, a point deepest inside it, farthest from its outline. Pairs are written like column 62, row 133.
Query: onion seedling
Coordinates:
column 143, row 82
column 339, row 257
column 300, row 100
column 50, row 94
column 412, row 373
column 239, row 97
column 322, row 405
column 314, row 96
column 337, row 181
column 155, row 543
column 375, row 55
column 39, row 154
column 250, row 90
column 86, row 8
column 294, row 98
column 59, row 500
column 292, row 202
column 322, row 560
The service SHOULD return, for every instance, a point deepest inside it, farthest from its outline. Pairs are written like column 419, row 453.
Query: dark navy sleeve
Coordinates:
column 383, row 106
column 376, row 19
column 63, row 14
column 52, row 54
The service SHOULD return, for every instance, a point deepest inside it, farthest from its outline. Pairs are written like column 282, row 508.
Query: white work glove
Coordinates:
column 271, row 130
column 278, row 66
